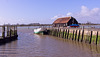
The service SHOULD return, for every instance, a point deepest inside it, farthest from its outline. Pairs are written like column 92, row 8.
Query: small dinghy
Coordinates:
column 40, row 31
column 74, row 25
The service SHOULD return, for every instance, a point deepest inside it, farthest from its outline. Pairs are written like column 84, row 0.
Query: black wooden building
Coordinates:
column 64, row 22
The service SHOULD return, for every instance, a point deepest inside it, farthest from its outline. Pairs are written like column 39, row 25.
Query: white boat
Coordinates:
column 39, row 30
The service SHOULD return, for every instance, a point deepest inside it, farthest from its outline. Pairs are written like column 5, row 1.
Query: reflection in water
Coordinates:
column 32, row 45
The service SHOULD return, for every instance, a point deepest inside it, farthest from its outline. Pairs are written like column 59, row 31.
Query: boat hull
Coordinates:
column 40, row 31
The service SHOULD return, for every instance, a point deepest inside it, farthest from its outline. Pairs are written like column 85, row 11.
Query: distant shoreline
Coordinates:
column 43, row 24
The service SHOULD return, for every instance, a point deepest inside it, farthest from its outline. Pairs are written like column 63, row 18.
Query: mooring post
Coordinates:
column 79, row 35
column 90, row 38
column 60, row 33
column 8, row 30
column 68, row 34
column 97, row 38
column 52, row 32
column 14, row 31
column 3, row 32
column 82, row 35
column 75, row 34
column 57, row 32
column 65, row 33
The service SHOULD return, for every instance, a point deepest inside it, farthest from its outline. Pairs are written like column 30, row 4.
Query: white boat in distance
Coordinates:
column 40, row 30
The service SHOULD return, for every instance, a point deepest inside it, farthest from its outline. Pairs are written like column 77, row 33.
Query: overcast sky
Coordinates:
column 46, row 11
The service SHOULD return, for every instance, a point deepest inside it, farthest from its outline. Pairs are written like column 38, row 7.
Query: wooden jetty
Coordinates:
column 77, row 34
column 9, row 33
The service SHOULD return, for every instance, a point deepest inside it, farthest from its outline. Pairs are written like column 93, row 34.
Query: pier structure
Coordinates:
column 9, row 33
column 77, row 34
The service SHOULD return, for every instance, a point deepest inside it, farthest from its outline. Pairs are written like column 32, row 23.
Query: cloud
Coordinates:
column 85, row 14
column 69, row 14
column 57, row 16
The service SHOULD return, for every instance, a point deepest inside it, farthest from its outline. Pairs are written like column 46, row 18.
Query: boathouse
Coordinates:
column 64, row 22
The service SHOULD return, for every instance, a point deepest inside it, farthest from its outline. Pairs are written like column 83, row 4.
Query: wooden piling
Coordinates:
column 79, row 35
column 68, row 34
column 3, row 32
column 14, row 31
column 75, row 34
column 97, row 38
column 82, row 35
column 52, row 32
column 60, row 33
column 8, row 31
column 65, row 33
column 90, row 38
column 56, row 32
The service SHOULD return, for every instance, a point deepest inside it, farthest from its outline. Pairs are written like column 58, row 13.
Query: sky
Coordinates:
column 46, row 11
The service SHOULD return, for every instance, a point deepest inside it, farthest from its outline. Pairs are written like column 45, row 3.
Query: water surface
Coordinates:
column 32, row 45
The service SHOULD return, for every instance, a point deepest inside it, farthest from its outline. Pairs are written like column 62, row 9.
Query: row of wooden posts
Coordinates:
column 76, row 34
column 11, row 31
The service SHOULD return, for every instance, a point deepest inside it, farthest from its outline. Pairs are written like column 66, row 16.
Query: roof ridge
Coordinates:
column 64, row 17
column 62, row 20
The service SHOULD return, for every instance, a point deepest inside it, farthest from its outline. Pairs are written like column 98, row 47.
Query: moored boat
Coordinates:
column 74, row 25
column 40, row 30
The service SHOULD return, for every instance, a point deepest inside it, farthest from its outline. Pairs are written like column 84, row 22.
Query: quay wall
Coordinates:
column 9, row 33
column 90, row 35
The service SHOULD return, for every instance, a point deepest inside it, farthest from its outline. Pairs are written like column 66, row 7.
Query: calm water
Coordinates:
column 32, row 45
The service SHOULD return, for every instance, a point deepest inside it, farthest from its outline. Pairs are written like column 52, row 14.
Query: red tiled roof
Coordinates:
column 62, row 20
